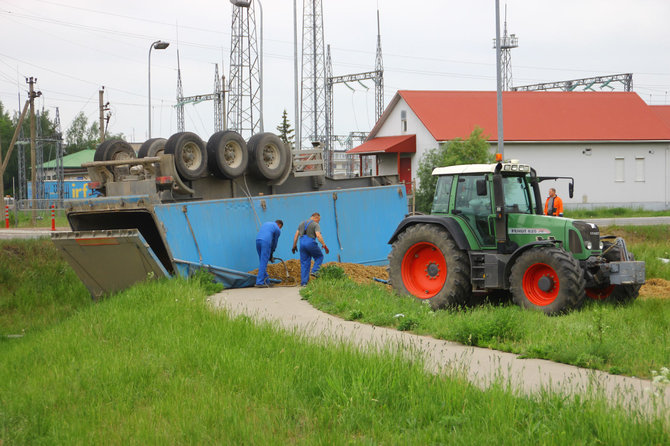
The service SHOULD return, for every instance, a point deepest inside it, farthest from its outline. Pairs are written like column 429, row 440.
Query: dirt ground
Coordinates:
column 656, row 288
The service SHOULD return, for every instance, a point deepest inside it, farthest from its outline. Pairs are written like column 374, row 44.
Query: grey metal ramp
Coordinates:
column 109, row 261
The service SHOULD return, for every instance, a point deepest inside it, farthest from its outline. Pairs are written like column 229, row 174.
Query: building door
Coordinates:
column 405, row 172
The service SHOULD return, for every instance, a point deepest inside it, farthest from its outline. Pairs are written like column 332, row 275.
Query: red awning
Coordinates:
column 387, row 144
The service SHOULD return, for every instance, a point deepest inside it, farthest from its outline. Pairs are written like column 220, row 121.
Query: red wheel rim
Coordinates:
column 541, row 284
column 600, row 293
column 424, row 270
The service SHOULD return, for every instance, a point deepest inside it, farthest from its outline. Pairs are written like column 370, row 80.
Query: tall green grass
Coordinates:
column 155, row 365
column 37, row 286
column 603, row 212
column 648, row 243
column 631, row 340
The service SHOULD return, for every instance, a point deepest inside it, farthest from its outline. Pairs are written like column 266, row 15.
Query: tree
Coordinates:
column 81, row 135
column 285, row 130
column 474, row 150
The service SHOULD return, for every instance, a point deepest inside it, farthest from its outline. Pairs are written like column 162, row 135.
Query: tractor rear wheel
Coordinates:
column 618, row 294
column 425, row 262
column 547, row 279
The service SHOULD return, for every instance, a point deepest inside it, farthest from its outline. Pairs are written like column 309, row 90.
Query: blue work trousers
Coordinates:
column 263, row 248
column 309, row 250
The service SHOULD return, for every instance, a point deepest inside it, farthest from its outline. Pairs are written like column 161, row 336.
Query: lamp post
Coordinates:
column 159, row 45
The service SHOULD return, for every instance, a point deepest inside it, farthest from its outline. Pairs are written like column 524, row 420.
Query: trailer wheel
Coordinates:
column 227, row 154
column 152, row 147
column 114, row 149
column 190, row 156
column 100, row 150
column 425, row 262
column 267, row 155
column 547, row 279
column 618, row 294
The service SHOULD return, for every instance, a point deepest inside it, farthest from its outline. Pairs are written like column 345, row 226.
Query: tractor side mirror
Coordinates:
column 571, row 189
column 481, row 188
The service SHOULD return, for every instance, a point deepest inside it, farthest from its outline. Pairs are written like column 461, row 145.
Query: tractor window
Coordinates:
column 442, row 194
column 517, row 200
column 475, row 209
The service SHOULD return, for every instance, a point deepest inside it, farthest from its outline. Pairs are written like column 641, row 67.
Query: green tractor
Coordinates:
column 487, row 235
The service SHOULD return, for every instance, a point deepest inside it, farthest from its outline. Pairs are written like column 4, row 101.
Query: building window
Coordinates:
column 639, row 169
column 403, row 121
column 619, row 173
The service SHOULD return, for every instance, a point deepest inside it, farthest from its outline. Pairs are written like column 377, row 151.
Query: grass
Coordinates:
column 633, row 340
column 155, row 365
column 37, row 287
column 614, row 212
column 23, row 218
column 648, row 243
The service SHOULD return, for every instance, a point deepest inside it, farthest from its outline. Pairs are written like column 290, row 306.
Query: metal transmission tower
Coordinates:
column 507, row 42
column 377, row 76
column 313, row 86
column 588, row 83
column 217, row 97
column 218, row 101
column 244, row 100
column 60, row 171
column 180, row 98
column 39, row 158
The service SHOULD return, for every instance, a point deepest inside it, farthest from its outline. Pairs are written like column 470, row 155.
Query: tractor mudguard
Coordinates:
column 521, row 250
column 446, row 222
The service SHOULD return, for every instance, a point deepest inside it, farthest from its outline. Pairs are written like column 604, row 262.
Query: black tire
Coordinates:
column 118, row 149
column 99, row 154
column 268, row 156
column 152, row 147
column 547, row 279
column 616, row 294
column 227, row 154
column 190, row 156
column 419, row 260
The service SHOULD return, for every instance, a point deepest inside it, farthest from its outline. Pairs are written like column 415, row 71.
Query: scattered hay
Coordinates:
column 654, row 288
column 358, row 273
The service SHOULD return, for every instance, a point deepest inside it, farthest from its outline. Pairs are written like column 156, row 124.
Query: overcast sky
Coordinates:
column 73, row 47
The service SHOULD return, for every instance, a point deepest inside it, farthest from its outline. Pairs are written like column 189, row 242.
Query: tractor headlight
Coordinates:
column 588, row 244
column 602, row 245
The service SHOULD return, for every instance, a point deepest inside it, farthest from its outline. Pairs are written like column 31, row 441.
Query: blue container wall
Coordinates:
column 72, row 189
column 225, row 230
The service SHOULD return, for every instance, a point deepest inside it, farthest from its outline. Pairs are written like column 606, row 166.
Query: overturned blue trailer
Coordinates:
column 153, row 222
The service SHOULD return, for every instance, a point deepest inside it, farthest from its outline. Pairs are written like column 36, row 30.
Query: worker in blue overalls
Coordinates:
column 266, row 243
column 309, row 232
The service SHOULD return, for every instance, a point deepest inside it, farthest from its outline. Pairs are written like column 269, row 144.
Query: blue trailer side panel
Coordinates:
column 356, row 224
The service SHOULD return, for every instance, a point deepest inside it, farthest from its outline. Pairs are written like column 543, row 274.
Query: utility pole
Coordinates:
column 33, row 154
column 103, row 108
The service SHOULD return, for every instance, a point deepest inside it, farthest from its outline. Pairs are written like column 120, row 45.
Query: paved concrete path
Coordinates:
column 481, row 366
column 26, row 233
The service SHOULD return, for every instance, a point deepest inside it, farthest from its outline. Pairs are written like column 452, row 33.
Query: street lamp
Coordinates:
column 159, row 45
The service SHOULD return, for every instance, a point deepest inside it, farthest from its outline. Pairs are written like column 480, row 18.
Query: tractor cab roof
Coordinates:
column 508, row 166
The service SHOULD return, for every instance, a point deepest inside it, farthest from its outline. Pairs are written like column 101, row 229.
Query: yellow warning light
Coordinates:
column 498, row 157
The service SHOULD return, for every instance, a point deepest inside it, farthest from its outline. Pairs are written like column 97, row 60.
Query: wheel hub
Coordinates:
column 432, row 270
column 545, row 283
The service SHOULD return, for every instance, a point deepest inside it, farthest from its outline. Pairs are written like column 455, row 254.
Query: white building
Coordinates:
column 615, row 146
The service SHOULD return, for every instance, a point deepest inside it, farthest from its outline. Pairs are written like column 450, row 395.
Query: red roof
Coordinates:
column 536, row 115
column 387, row 144
column 662, row 111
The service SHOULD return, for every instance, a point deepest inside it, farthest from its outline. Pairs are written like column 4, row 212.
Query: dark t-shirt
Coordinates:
column 312, row 228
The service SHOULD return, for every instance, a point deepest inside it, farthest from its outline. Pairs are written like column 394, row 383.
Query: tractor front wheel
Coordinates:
column 617, row 294
column 425, row 262
column 547, row 279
